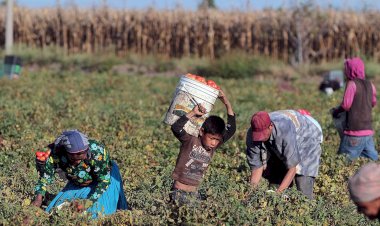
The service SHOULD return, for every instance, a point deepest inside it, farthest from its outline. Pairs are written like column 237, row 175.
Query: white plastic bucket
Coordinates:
column 181, row 103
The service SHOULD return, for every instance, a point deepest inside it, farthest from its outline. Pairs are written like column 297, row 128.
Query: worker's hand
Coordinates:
column 40, row 165
column 37, row 200
column 198, row 110
column 285, row 197
column 78, row 206
column 222, row 96
column 335, row 113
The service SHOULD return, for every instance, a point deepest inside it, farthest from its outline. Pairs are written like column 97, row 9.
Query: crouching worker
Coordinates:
column 90, row 172
column 282, row 146
column 196, row 152
column 364, row 189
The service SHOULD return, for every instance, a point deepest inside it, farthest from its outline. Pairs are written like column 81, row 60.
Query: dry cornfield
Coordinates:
column 317, row 35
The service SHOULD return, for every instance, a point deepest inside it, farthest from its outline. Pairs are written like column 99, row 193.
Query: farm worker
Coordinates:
column 364, row 188
column 358, row 101
column 91, row 174
column 282, row 146
column 196, row 152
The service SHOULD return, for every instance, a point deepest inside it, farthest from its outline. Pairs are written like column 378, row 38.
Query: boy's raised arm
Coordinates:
column 226, row 102
column 177, row 127
column 231, row 121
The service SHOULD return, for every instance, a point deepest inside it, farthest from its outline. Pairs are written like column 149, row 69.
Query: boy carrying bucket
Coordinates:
column 196, row 152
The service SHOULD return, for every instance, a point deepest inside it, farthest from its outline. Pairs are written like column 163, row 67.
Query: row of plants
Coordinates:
column 125, row 111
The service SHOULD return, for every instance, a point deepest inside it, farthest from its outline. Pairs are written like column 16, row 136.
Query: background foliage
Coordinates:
column 305, row 33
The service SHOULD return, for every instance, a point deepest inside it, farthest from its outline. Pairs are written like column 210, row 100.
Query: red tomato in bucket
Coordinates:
column 191, row 76
column 212, row 84
column 201, row 79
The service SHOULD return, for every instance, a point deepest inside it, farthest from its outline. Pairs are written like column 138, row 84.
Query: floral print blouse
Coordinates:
column 96, row 168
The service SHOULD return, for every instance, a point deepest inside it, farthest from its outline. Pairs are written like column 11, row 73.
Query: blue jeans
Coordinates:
column 185, row 198
column 355, row 147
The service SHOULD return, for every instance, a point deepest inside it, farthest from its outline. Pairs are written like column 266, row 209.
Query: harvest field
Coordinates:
column 125, row 111
column 325, row 34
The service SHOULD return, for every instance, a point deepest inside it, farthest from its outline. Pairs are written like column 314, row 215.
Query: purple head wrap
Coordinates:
column 354, row 68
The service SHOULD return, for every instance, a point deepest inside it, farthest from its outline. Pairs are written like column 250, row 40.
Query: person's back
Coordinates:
column 306, row 131
column 285, row 145
column 359, row 115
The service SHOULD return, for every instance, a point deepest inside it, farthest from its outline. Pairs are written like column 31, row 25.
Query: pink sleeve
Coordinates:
column 373, row 95
column 349, row 95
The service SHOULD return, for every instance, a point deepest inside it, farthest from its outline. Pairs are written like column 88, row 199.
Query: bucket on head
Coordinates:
column 182, row 103
column 12, row 66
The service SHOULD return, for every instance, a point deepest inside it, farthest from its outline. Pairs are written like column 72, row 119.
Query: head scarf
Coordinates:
column 72, row 141
column 364, row 186
column 354, row 68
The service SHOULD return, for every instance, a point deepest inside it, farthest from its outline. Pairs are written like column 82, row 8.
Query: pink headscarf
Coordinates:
column 354, row 68
column 364, row 186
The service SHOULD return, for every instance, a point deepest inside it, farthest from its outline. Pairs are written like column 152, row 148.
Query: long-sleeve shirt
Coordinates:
column 348, row 98
column 96, row 169
column 193, row 159
column 295, row 140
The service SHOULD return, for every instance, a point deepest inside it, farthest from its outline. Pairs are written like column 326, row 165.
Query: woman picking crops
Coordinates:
column 91, row 174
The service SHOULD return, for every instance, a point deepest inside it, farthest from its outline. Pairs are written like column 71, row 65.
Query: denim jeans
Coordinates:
column 355, row 147
column 181, row 197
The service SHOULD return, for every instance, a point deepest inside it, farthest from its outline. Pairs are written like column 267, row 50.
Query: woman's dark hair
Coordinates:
column 214, row 125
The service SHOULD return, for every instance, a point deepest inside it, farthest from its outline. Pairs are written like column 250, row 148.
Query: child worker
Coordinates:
column 196, row 152
column 91, row 174
column 284, row 145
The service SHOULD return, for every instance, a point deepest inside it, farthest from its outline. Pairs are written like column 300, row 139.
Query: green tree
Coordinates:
column 207, row 4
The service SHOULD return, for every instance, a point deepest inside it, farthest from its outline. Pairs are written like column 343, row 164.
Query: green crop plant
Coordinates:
column 126, row 112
